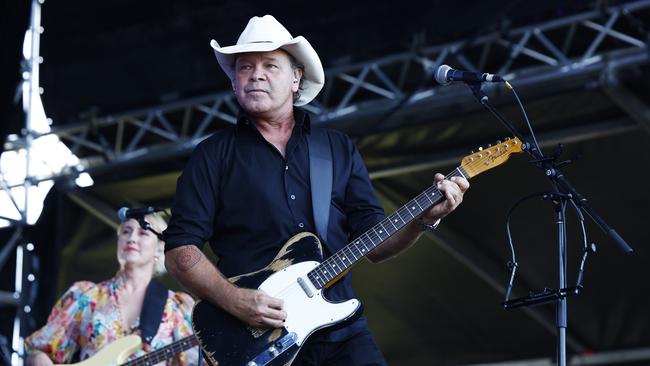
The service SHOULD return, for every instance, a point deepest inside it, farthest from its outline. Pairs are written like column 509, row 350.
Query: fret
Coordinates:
column 392, row 221
column 357, row 244
column 351, row 250
column 381, row 233
column 411, row 209
column 374, row 242
column 337, row 265
column 460, row 172
column 418, row 203
column 325, row 273
column 317, row 280
column 319, row 275
column 384, row 228
column 165, row 353
column 361, row 245
column 400, row 216
column 346, row 257
column 428, row 195
column 365, row 238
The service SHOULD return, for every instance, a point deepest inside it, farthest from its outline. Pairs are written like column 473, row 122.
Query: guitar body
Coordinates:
column 225, row 340
column 115, row 353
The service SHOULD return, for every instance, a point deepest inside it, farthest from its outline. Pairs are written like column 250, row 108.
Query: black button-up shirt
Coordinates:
column 240, row 194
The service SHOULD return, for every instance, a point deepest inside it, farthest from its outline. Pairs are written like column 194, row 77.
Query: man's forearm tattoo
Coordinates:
column 188, row 257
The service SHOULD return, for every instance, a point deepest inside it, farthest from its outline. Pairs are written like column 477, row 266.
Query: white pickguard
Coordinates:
column 305, row 314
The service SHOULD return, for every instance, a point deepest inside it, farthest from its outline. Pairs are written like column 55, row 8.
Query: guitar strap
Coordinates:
column 320, row 176
column 152, row 310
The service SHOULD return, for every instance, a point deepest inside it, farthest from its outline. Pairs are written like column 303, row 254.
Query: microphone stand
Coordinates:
column 565, row 193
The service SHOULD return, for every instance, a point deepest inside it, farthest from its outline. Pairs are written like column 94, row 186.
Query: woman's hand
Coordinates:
column 38, row 358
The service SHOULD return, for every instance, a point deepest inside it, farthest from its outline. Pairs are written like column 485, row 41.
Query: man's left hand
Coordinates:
column 453, row 190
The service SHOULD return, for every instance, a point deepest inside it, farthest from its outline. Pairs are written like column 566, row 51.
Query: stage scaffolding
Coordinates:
column 597, row 45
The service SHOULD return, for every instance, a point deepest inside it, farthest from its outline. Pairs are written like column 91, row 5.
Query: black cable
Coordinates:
column 523, row 110
column 512, row 265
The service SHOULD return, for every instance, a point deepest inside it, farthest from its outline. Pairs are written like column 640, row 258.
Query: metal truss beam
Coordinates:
column 586, row 43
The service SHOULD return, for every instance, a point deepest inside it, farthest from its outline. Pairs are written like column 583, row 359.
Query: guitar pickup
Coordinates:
column 306, row 286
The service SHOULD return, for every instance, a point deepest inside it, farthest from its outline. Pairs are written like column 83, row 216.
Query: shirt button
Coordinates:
column 293, row 196
column 286, row 167
column 301, row 225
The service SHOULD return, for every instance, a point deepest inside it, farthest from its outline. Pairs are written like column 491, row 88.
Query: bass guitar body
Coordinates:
column 225, row 340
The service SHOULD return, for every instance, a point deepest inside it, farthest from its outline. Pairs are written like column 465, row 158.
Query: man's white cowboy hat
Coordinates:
column 264, row 34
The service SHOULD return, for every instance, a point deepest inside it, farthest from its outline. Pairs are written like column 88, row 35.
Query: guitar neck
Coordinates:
column 343, row 259
column 165, row 353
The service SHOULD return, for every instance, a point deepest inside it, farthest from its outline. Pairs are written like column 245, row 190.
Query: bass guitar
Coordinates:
column 298, row 275
column 118, row 351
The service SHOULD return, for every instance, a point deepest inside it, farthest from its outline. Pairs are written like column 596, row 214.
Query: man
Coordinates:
column 246, row 190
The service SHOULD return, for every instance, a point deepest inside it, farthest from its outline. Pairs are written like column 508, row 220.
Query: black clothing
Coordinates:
column 240, row 194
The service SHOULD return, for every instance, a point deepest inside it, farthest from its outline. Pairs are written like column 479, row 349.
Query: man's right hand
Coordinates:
column 256, row 308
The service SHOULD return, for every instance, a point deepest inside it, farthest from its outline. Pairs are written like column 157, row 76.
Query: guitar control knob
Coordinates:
column 480, row 148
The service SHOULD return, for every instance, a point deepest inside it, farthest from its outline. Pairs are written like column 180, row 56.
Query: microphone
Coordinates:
column 125, row 213
column 445, row 75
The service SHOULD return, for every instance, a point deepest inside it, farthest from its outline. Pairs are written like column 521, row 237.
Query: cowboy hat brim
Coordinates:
column 299, row 48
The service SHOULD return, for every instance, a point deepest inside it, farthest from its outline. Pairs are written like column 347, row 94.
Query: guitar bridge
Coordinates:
column 274, row 350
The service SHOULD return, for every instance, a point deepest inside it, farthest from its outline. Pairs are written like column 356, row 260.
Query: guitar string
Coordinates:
column 330, row 260
column 379, row 228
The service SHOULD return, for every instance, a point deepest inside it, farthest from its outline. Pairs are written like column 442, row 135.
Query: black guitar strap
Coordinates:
column 152, row 310
column 320, row 176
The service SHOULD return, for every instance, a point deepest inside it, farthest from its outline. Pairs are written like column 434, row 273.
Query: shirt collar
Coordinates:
column 301, row 117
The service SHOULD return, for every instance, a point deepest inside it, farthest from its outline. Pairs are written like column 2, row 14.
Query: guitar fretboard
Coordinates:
column 343, row 259
column 165, row 353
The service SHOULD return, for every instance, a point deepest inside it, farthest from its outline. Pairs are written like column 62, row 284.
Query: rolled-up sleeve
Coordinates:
column 195, row 203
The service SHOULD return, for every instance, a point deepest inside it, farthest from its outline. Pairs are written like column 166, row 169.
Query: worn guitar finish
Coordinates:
column 298, row 275
column 225, row 340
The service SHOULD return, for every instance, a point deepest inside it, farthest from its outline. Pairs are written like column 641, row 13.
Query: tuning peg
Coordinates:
column 480, row 148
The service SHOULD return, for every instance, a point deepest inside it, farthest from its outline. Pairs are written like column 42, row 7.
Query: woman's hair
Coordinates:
column 158, row 224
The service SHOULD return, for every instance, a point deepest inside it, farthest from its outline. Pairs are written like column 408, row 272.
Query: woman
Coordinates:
column 90, row 316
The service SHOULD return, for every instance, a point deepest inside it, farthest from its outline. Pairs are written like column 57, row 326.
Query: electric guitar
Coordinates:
column 298, row 275
column 118, row 351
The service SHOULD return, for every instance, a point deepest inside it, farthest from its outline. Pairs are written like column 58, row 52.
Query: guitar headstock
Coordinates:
column 488, row 158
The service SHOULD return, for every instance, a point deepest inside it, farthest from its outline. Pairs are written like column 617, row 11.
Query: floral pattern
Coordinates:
column 87, row 318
